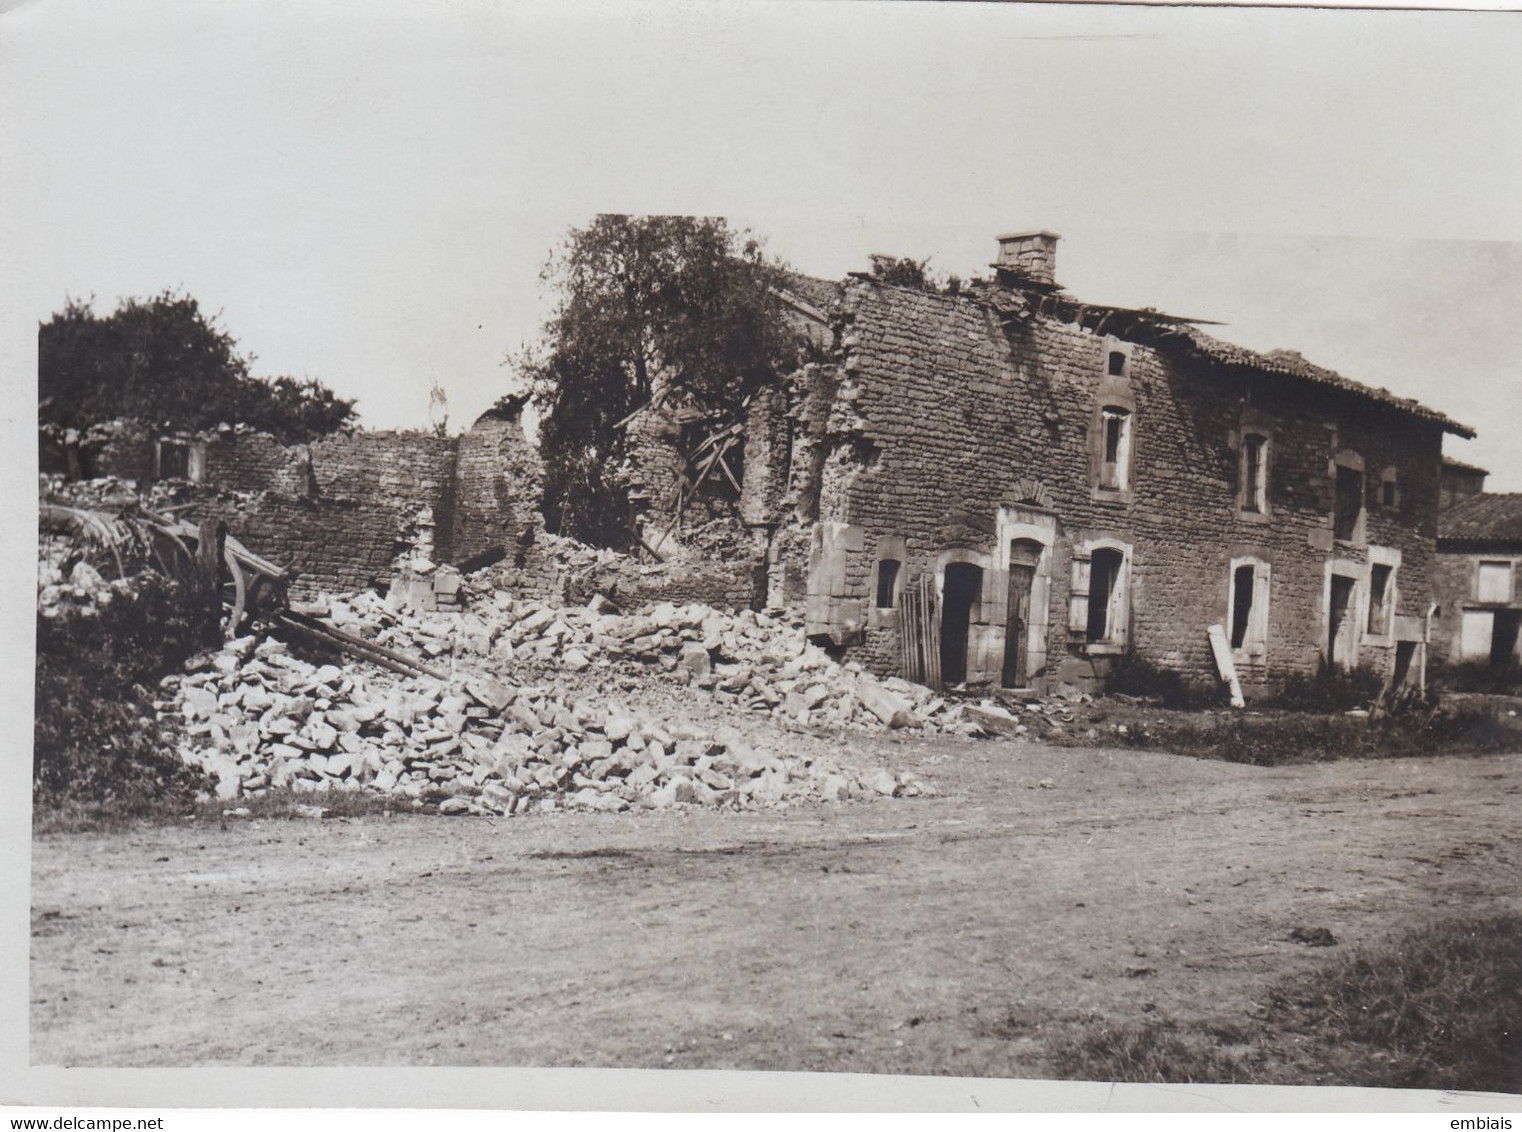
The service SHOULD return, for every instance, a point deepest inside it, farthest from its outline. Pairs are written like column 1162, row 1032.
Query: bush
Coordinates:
column 1135, row 676
column 98, row 752
column 1332, row 689
column 1475, row 676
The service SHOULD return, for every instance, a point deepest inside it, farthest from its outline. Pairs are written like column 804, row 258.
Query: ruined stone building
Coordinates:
column 1479, row 554
column 1080, row 483
column 342, row 511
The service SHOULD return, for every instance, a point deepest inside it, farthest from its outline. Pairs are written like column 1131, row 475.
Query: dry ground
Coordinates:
column 958, row 934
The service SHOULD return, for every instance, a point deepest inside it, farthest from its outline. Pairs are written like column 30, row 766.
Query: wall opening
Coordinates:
column 1503, row 636
column 1348, row 507
column 959, row 602
column 1341, row 627
column 1114, row 469
column 1493, row 582
column 1242, row 587
column 1255, row 473
column 1024, row 557
column 1379, row 599
column 1104, row 590
column 887, row 583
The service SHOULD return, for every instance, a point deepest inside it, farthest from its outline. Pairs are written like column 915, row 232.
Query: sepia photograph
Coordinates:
column 831, row 555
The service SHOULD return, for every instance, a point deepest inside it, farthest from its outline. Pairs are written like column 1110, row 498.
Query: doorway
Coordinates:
column 959, row 600
column 1341, row 625
column 1503, row 637
column 1024, row 555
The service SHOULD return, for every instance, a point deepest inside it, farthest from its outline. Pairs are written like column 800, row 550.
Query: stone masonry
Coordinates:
column 1096, row 455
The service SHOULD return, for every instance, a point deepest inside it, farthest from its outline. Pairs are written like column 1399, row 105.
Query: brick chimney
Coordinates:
column 1031, row 256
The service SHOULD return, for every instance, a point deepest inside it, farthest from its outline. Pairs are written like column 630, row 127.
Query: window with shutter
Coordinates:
column 1078, row 596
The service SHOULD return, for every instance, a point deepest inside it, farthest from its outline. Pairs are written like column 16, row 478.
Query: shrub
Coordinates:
column 98, row 752
column 1135, row 676
column 1332, row 688
column 1475, row 676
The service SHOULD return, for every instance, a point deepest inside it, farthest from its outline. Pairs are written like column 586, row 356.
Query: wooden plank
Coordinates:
column 240, row 591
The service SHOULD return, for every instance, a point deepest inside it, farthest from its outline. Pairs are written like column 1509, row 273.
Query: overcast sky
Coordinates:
column 367, row 191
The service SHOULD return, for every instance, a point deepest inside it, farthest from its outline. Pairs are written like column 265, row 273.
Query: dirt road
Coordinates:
column 1044, row 888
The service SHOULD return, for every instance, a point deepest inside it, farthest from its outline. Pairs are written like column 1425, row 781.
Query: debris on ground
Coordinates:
column 258, row 717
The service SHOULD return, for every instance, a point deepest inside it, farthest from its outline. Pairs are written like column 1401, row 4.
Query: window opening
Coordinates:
column 1117, row 447
column 1117, row 363
column 1104, row 590
column 174, row 460
column 1494, row 582
column 1349, row 503
column 1379, row 599
column 1242, row 587
column 1389, row 495
column 1255, row 473
column 887, row 582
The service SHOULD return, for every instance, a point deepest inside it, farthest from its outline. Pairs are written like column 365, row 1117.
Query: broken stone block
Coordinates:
column 490, row 693
column 993, row 720
column 695, row 659
column 886, row 706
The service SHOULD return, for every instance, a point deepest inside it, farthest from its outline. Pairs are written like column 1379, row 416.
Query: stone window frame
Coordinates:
column 1252, row 499
column 1254, row 647
column 195, row 457
column 1510, row 564
column 1390, row 557
column 1358, row 608
column 1352, row 461
column 1118, row 622
column 1113, row 348
column 890, row 548
column 1114, row 396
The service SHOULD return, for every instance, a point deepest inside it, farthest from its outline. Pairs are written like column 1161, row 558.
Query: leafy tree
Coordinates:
column 678, row 310
column 163, row 361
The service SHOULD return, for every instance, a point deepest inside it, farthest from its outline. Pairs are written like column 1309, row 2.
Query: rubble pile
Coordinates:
column 257, row 717
column 756, row 662
column 68, row 583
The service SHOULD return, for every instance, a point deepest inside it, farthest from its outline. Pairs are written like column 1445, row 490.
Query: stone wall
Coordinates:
column 1455, row 590
column 949, row 435
column 341, row 510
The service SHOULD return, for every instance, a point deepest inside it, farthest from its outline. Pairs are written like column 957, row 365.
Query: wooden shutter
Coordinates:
column 1078, row 596
column 1120, row 603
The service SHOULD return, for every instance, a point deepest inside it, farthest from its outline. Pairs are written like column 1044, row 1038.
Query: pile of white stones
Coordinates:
column 257, row 717
column 755, row 661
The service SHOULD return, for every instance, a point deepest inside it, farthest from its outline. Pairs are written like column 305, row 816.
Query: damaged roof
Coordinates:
column 1494, row 517
column 1289, row 363
column 1161, row 329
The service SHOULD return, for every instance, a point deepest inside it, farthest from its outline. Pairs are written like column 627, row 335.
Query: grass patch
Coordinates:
column 1280, row 738
column 286, row 804
column 1153, row 1052
column 1332, row 689
column 1437, row 1008
column 1475, row 676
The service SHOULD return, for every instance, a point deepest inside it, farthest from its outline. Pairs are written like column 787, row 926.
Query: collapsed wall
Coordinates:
column 341, row 511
